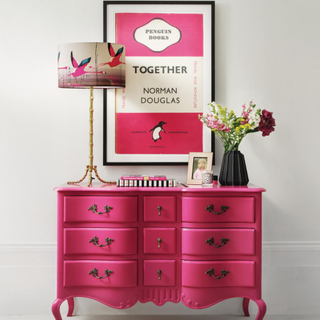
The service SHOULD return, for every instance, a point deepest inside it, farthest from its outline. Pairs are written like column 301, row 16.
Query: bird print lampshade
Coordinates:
column 91, row 64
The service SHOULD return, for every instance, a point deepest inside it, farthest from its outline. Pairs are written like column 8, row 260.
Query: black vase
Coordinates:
column 233, row 169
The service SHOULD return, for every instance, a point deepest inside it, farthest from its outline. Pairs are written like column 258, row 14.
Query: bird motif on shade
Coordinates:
column 79, row 68
column 115, row 57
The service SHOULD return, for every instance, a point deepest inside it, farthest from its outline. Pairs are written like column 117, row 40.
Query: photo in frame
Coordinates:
column 198, row 163
column 169, row 50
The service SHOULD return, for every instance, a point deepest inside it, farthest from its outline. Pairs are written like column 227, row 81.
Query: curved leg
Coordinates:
column 56, row 309
column 262, row 309
column 245, row 306
column 71, row 306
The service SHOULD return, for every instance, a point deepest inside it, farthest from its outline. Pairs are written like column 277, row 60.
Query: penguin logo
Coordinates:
column 156, row 131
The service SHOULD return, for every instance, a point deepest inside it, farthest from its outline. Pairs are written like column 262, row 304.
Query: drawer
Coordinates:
column 218, row 241
column 207, row 274
column 159, row 273
column 159, row 209
column 100, row 209
column 114, row 273
column 218, row 209
column 159, row 240
column 105, row 241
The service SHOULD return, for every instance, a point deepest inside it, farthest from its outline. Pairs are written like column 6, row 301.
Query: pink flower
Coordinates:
column 210, row 124
column 245, row 121
column 227, row 130
column 222, row 127
column 215, row 125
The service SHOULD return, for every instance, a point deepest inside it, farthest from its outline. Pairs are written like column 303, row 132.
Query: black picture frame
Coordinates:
column 110, row 157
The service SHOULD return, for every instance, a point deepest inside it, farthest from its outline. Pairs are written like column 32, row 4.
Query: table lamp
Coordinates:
column 90, row 65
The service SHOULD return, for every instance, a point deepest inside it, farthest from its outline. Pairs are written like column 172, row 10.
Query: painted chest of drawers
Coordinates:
column 124, row 245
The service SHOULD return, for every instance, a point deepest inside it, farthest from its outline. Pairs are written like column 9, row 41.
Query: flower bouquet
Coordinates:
column 231, row 130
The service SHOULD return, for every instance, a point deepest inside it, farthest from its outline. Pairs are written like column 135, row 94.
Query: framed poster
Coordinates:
column 169, row 48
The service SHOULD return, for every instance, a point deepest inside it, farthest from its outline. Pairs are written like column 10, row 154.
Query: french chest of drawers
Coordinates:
column 124, row 245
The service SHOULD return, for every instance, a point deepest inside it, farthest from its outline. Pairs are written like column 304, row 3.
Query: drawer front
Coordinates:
column 159, row 240
column 202, row 274
column 218, row 241
column 218, row 209
column 124, row 273
column 159, row 209
column 105, row 241
column 159, row 273
column 100, row 209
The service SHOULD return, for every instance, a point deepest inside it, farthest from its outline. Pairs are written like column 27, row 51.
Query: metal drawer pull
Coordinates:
column 159, row 209
column 95, row 241
column 224, row 273
column 159, row 242
column 223, row 242
column 94, row 209
column 159, row 273
column 94, row 273
column 211, row 209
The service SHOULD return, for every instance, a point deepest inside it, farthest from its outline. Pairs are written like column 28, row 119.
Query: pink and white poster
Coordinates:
column 157, row 112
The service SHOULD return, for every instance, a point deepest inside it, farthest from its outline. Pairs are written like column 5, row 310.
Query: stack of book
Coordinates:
column 133, row 180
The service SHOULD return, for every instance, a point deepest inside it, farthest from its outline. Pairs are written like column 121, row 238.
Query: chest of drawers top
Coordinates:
column 100, row 188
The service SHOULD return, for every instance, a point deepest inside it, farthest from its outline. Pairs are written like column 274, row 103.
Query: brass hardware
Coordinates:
column 223, row 242
column 211, row 209
column 91, row 167
column 210, row 272
column 94, row 273
column 159, row 208
column 159, row 242
column 95, row 241
column 159, row 273
column 94, row 209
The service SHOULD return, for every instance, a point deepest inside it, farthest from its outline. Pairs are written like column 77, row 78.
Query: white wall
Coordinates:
column 267, row 50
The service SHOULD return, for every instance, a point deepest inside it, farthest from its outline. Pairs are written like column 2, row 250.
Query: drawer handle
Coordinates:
column 94, row 273
column 159, row 273
column 159, row 209
column 223, row 242
column 94, row 209
column 211, row 209
column 159, row 242
column 95, row 241
column 224, row 273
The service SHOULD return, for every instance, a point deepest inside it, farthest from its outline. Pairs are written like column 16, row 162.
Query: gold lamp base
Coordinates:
column 91, row 167
column 89, row 171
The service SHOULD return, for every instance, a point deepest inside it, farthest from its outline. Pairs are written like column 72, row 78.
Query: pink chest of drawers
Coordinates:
column 124, row 245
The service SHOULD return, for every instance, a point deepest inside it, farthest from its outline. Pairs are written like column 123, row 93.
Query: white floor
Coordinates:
column 162, row 317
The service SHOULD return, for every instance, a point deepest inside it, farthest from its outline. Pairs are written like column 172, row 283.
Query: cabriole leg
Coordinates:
column 71, row 306
column 245, row 306
column 262, row 309
column 56, row 309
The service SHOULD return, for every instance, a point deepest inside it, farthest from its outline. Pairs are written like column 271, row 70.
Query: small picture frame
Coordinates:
column 198, row 162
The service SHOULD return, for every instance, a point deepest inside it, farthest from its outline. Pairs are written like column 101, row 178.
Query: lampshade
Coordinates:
column 91, row 64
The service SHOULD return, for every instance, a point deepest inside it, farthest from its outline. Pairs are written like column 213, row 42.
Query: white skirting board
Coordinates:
column 291, row 283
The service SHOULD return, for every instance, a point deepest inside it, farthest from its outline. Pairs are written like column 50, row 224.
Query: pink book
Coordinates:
column 143, row 177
